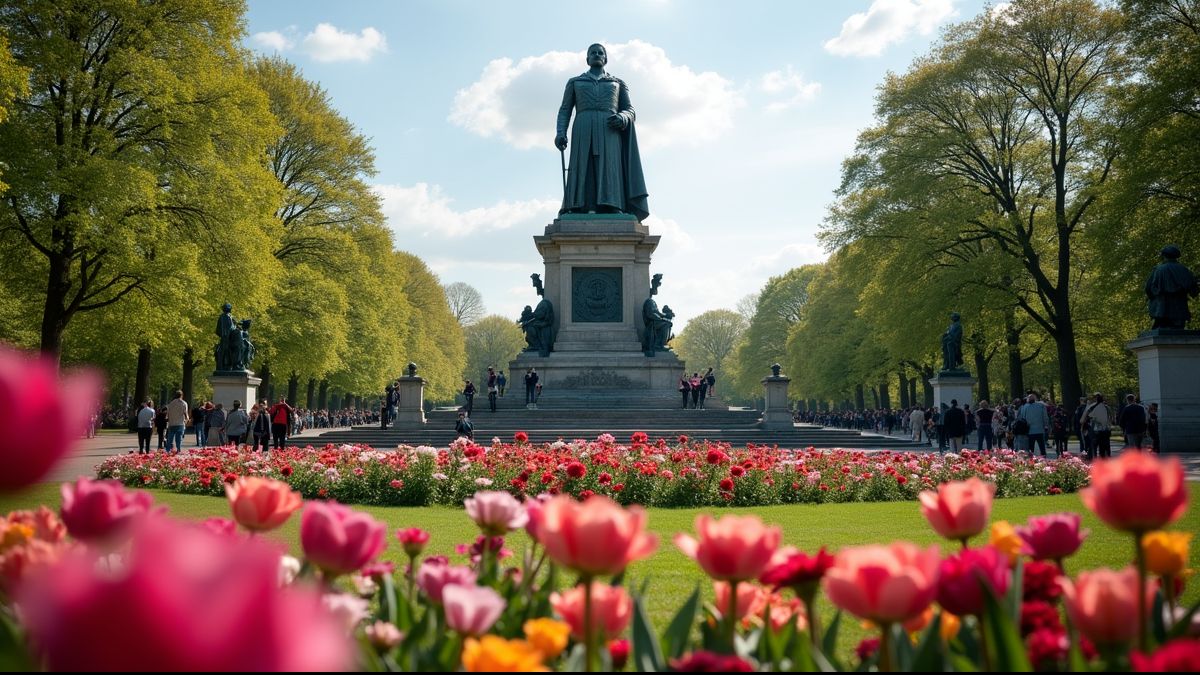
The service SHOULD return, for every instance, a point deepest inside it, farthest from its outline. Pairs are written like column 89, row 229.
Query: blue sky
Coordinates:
column 745, row 111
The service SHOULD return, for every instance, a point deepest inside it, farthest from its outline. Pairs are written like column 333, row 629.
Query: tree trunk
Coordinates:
column 885, row 395
column 981, row 370
column 1016, row 375
column 875, row 396
column 189, row 368
column 912, row 390
column 322, row 396
column 293, row 388
column 904, row 400
column 1068, row 357
column 859, row 397
column 311, row 394
column 163, row 395
column 927, row 374
column 141, row 385
column 264, row 387
column 334, row 402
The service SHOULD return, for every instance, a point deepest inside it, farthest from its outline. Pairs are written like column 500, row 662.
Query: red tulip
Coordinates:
column 594, row 537
column 1052, row 537
column 959, row 509
column 884, row 584
column 1177, row 656
column 612, row 610
column 186, row 600
column 962, row 577
column 798, row 570
column 261, row 504
column 413, row 540
column 1137, row 492
column 42, row 415
column 338, row 539
column 95, row 510
column 1103, row 604
column 734, row 548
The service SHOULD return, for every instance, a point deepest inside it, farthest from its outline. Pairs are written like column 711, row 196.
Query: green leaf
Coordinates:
column 13, row 655
column 904, row 648
column 647, row 655
column 387, row 600
column 930, row 655
column 1016, row 592
column 1004, row 640
column 829, row 640
column 1158, row 625
column 1181, row 626
column 675, row 639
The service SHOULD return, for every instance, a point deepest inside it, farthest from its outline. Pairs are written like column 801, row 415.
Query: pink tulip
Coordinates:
column 884, row 584
column 42, row 415
column 1052, row 537
column 594, row 537
column 261, row 504
column 435, row 575
column 962, row 577
column 413, row 540
column 734, row 548
column 1103, row 604
column 959, row 509
column 101, row 510
column 472, row 610
column 496, row 513
column 338, row 539
column 751, row 599
column 185, row 600
column 612, row 610
column 1137, row 492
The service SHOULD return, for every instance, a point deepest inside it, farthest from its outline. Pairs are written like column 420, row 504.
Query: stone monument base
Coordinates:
column 777, row 413
column 570, row 370
column 951, row 385
column 1169, row 375
column 230, row 387
column 410, row 411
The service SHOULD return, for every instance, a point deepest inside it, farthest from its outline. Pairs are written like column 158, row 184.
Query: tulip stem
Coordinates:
column 984, row 652
column 810, row 610
column 731, row 616
column 1143, row 624
column 885, row 648
column 589, row 643
column 412, row 566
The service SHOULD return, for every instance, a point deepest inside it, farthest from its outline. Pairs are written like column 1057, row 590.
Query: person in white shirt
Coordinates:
column 917, row 421
column 177, row 417
column 145, row 426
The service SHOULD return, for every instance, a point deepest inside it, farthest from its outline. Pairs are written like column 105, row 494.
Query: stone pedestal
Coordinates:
column 1169, row 375
column 948, row 386
column 410, row 411
column 597, row 275
column 777, row 413
column 230, row 387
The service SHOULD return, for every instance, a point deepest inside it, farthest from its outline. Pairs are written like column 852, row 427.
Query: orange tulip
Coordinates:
column 261, row 504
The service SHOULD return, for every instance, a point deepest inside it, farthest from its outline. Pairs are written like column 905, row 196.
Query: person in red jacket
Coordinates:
column 281, row 414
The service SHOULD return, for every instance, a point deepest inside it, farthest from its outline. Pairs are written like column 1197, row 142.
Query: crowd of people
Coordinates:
column 697, row 388
column 1026, row 424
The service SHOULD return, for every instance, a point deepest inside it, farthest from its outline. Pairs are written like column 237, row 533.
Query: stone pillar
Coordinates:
column 1169, row 375
column 777, row 413
column 410, row 411
column 958, row 386
column 230, row 387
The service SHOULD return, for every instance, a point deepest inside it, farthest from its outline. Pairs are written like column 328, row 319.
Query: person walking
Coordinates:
column 160, row 426
column 1098, row 419
column 954, row 425
column 177, row 419
column 469, row 394
column 1062, row 428
column 711, row 380
column 145, row 426
column 200, row 422
column 703, row 390
column 262, row 427
column 1037, row 418
column 695, row 388
column 216, row 426
column 983, row 419
column 493, row 388
column 531, row 383
column 502, row 382
column 281, row 416
column 916, row 420
column 685, row 388
column 1133, row 420
column 237, row 423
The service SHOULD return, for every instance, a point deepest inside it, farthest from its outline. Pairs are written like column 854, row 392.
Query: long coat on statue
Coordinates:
column 605, row 168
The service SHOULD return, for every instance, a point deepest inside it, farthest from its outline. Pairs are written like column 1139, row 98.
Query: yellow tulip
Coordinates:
column 1004, row 539
column 13, row 535
column 547, row 636
column 491, row 654
column 950, row 626
column 1166, row 553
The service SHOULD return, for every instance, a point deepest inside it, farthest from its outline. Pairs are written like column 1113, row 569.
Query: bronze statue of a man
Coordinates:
column 605, row 174
column 952, row 356
column 1167, row 291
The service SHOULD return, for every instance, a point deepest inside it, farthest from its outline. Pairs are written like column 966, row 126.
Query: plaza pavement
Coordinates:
column 91, row 451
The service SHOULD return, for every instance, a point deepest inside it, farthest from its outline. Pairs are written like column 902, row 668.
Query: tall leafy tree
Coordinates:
column 709, row 339
column 780, row 305
column 491, row 341
column 466, row 303
column 138, row 144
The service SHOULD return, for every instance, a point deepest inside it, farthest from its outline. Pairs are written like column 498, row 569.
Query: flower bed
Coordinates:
column 659, row 474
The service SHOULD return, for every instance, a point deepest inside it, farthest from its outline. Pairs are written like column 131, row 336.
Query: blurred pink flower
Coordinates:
column 101, row 510
column 612, row 609
column 471, row 610
column 959, row 509
column 734, row 548
column 435, row 575
column 261, row 504
column 339, row 539
column 1052, row 537
column 884, row 584
column 496, row 513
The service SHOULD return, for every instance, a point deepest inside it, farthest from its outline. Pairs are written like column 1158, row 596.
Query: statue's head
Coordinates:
column 1171, row 253
column 412, row 369
column 597, row 56
column 245, row 324
column 227, row 308
column 656, row 280
column 954, row 316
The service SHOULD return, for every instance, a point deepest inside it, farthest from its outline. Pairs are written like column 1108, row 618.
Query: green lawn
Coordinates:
column 672, row 576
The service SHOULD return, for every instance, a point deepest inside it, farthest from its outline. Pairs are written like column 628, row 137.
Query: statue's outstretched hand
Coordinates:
column 560, row 142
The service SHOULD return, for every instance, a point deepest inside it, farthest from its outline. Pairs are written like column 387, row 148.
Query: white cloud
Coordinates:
column 789, row 85
column 516, row 101
column 423, row 209
column 886, row 22
column 326, row 43
column 273, row 40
